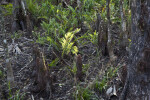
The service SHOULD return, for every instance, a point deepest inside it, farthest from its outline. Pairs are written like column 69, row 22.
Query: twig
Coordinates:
column 32, row 97
column 25, row 66
column 66, row 3
column 28, row 39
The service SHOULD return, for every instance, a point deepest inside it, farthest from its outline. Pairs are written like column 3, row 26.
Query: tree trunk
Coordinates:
column 137, row 85
column 123, row 36
column 109, row 41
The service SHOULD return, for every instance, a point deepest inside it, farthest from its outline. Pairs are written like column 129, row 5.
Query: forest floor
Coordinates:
column 65, row 85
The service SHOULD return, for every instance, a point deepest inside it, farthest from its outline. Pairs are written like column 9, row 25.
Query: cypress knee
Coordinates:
column 79, row 74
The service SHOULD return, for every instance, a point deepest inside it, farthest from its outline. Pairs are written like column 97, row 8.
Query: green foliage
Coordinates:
column 74, row 69
column 17, row 95
column 127, row 10
column 58, row 24
column 40, row 39
column 33, row 7
column 84, row 94
column 10, row 95
column 110, row 73
column 42, row 9
column 101, row 85
column 114, row 9
column 59, row 21
column 67, row 44
column 16, row 35
column 94, row 38
column 8, row 9
column 84, row 68
column 54, row 62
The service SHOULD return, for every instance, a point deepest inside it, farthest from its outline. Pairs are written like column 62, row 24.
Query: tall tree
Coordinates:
column 137, row 85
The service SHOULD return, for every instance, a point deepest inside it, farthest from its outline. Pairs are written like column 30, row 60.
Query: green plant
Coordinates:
column 67, row 44
column 9, row 88
column 58, row 21
column 74, row 69
column 16, row 35
column 17, row 95
column 93, row 38
column 109, row 74
column 54, row 62
column 84, row 94
column 33, row 7
column 8, row 9
column 101, row 85
column 114, row 9
column 84, row 68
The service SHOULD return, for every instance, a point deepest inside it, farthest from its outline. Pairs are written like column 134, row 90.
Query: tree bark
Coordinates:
column 123, row 36
column 109, row 41
column 137, row 85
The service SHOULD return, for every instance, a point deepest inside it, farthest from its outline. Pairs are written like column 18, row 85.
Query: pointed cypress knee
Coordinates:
column 41, row 72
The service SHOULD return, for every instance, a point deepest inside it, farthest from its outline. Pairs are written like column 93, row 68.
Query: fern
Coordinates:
column 67, row 44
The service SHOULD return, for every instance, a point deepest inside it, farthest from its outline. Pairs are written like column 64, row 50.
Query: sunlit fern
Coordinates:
column 67, row 43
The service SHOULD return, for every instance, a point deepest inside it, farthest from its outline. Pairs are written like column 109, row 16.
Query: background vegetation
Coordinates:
column 66, row 29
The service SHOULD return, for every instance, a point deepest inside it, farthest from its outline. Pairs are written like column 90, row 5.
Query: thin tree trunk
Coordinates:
column 109, row 42
column 138, row 79
column 123, row 26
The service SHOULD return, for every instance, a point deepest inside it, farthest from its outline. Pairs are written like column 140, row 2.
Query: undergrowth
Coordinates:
column 66, row 29
column 63, row 31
